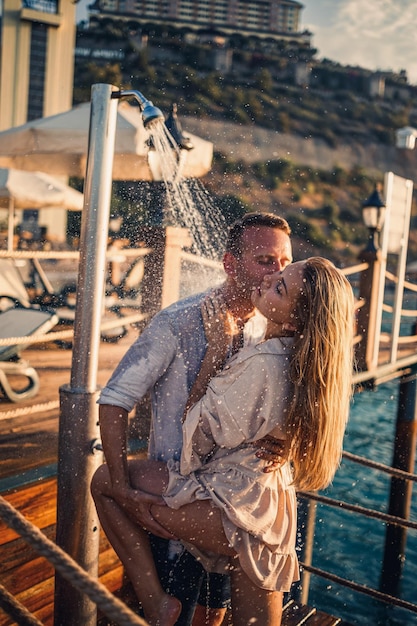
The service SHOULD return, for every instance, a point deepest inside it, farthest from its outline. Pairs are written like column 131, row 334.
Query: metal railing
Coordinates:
column 307, row 566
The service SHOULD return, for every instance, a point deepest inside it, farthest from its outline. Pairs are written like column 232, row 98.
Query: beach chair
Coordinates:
column 12, row 287
column 21, row 322
column 18, row 318
column 28, row 285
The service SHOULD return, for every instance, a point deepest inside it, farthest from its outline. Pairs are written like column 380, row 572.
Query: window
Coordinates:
column 37, row 70
column 46, row 6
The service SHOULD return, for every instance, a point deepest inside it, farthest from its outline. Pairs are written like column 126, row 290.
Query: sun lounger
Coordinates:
column 21, row 322
column 12, row 287
column 13, row 292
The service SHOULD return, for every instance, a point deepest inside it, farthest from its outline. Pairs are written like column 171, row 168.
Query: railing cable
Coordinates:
column 16, row 609
column 361, row 588
column 355, row 508
column 379, row 466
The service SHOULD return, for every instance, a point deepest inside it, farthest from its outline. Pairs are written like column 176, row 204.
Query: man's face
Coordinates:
column 265, row 250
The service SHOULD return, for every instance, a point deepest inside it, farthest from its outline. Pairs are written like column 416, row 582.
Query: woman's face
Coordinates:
column 277, row 295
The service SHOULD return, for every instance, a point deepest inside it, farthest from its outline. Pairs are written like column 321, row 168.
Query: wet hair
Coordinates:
column 321, row 371
column 249, row 220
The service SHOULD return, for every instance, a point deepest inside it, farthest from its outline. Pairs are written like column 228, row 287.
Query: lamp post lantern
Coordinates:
column 373, row 213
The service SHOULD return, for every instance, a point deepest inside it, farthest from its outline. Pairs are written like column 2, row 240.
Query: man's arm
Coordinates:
column 113, row 430
column 137, row 504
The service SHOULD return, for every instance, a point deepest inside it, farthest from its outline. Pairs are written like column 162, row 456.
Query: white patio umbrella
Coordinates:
column 58, row 145
column 34, row 190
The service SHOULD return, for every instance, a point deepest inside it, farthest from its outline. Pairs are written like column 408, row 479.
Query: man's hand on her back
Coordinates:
column 272, row 450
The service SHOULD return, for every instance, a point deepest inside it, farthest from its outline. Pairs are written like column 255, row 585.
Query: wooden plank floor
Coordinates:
column 28, row 443
column 30, row 578
column 26, row 574
column 29, row 429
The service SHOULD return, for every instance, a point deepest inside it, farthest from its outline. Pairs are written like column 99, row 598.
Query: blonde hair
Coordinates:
column 321, row 371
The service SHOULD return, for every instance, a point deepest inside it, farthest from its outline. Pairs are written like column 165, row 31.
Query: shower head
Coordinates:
column 149, row 111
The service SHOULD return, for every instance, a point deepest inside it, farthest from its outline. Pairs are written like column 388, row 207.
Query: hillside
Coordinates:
column 325, row 217
column 275, row 86
column 318, row 188
column 312, row 153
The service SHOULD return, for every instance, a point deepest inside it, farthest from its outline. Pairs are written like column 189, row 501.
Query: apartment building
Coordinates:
column 265, row 17
column 37, row 39
column 37, row 60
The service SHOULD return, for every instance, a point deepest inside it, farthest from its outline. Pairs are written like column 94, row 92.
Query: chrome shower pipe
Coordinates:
column 149, row 111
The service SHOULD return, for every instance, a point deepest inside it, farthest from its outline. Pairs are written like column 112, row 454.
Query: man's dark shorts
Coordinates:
column 184, row 577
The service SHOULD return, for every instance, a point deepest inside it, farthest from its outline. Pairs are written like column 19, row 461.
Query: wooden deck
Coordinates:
column 31, row 578
column 29, row 429
column 29, row 440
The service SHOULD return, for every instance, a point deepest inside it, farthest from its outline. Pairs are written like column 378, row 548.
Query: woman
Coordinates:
column 295, row 386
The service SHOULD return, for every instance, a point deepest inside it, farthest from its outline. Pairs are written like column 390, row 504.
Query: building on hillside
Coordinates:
column 269, row 19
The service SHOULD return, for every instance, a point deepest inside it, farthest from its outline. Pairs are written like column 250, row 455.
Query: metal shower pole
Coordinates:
column 77, row 521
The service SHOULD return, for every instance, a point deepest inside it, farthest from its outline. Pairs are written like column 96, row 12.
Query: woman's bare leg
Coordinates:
column 131, row 543
column 251, row 604
column 198, row 523
column 205, row 616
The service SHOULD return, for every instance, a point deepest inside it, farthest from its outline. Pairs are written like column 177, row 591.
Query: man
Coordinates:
column 165, row 360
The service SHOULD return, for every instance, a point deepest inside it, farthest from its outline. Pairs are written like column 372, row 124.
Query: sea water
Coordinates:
column 351, row 545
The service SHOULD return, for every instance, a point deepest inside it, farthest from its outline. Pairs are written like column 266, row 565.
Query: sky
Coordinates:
column 373, row 34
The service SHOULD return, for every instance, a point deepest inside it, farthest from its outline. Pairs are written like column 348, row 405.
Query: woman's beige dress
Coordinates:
column 246, row 401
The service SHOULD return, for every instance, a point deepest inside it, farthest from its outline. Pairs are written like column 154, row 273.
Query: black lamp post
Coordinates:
column 373, row 212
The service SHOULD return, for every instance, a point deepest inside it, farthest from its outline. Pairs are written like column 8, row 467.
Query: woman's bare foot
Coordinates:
column 166, row 613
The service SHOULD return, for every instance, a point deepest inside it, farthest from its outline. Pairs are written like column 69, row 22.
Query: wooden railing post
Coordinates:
column 367, row 318
column 175, row 240
column 307, row 510
column 401, row 489
column 160, row 288
column 151, row 286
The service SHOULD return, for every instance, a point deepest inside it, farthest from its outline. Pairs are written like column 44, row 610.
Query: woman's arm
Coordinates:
column 218, row 330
